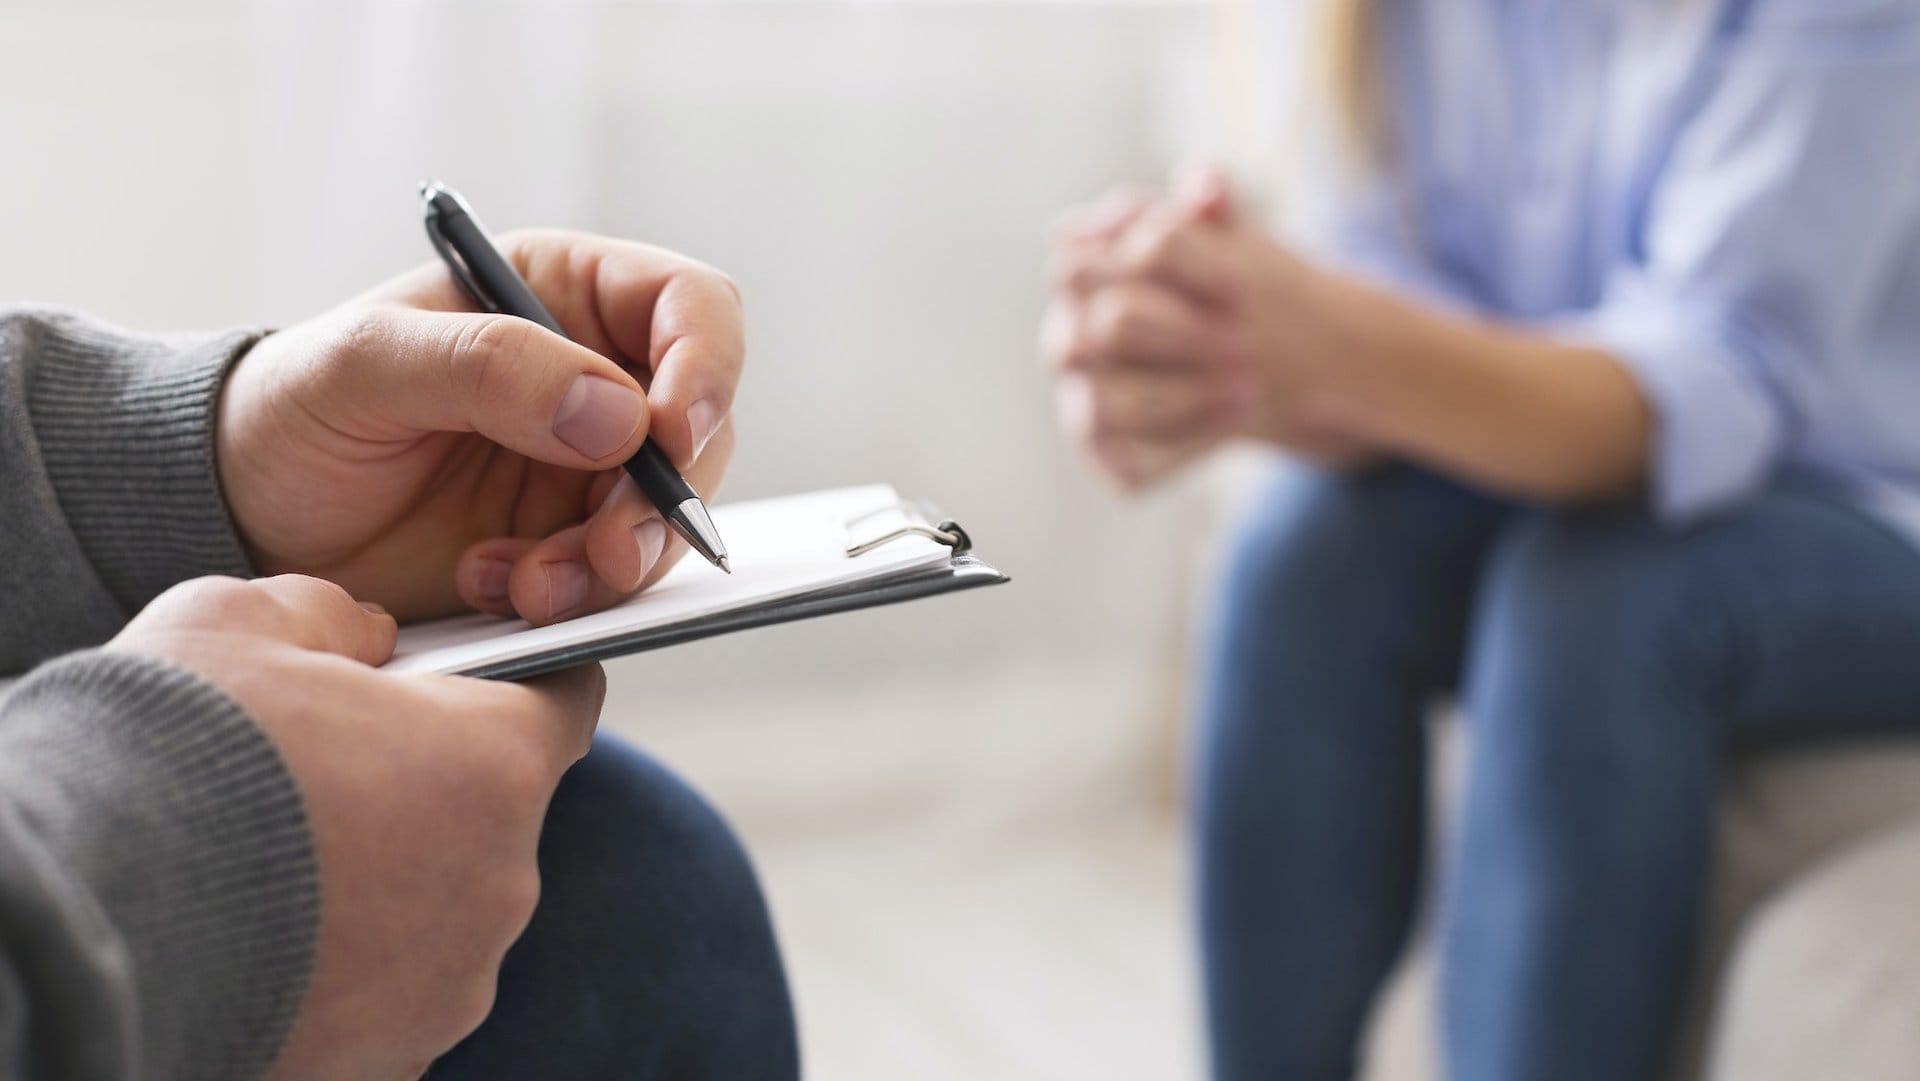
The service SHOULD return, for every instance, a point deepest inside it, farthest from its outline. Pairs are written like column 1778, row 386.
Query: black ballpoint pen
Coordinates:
column 496, row 287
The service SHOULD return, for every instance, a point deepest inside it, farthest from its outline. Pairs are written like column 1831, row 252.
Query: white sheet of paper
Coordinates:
column 779, row 548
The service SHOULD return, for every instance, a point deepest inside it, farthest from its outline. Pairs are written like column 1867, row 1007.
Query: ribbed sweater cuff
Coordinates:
column 177, row 817
column 126, row 428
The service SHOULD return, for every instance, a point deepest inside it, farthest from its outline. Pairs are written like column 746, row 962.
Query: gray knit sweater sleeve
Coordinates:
column 111, row 494
column 158, row 890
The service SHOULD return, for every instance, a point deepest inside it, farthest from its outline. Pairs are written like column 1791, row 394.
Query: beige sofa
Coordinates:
column 1812, row 967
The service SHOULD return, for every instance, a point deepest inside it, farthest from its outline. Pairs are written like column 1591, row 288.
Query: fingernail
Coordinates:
column 376, row 609
column 704, row 419
column 651, row 536
column 566, row 587
column 491, row 580
column 597, row 416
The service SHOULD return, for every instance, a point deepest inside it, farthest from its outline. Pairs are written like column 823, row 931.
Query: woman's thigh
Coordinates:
column 650, row 955
column 1791, row 617
column 1614, row 660
column 1822, row 608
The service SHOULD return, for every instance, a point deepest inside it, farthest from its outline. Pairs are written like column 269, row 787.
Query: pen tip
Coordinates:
column 725, row 565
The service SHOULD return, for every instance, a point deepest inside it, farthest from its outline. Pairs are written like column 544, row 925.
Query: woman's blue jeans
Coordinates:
column 650, row 956
column 1606, row 665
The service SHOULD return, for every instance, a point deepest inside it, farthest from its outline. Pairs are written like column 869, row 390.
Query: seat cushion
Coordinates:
column 1801, row 833
column 1825, row 979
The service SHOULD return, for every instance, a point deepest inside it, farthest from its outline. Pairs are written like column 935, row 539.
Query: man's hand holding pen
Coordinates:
column 429, row 458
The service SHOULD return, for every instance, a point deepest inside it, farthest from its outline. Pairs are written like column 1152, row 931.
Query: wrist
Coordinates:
column 245, row 450
column 234, row 457
column 1380, row 348
column 1331, row 389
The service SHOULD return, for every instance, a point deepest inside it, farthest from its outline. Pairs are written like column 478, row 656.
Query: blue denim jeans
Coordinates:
column 650, row 954
column 1606, row 665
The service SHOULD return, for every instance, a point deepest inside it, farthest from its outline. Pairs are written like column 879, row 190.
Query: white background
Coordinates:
column 962, row 807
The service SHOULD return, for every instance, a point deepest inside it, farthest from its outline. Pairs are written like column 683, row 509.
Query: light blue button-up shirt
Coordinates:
column 1723, row 194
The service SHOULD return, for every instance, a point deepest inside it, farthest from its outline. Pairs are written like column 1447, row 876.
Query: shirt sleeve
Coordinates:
column 108, row 489
column 1364, row 222
column 159, row 892
column 1782, row 212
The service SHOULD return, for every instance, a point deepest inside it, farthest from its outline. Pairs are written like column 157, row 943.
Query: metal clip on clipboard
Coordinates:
column 920, row 521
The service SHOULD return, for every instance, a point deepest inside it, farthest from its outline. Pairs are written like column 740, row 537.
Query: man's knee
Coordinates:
column 635, row 831
column 652, row 879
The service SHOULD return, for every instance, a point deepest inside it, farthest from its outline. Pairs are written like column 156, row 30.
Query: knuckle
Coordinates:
column 1115, row 319
column 468, row 1008
column 1056, row 335
column 1104, row 418
column 1077, row 348
column 519, row 896
column 720, row 280
column 1121, row 410
column 1083, row 277
column 1092, row 340
column 215, row 598
column 517, row 240
column 206, row 590
column 1155, row 244
column 500, row 903
column 300, row 594
column 485, row 353
column 522, row 774
column 1101, row 323
column 520, row 244
column 594, row 676
column 310, row 586
column 1160, row 248
column 1075, row 422
column 360, row 333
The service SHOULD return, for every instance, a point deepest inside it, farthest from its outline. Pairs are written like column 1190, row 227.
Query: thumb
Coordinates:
column 515, row 382
column 316, row 614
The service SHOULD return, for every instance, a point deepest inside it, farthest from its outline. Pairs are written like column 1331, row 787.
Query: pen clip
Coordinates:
column 455, row 264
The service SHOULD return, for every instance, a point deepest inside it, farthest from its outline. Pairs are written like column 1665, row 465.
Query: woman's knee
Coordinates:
column 1367, row 570
column 1589, row 589
column 1314, row 541
column 1595, row 641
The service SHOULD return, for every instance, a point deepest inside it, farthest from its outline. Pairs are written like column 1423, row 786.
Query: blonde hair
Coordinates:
column 1347, row 52
column 1339, row 116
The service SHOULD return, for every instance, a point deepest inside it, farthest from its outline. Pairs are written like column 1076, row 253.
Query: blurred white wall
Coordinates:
column 127, row 159
column 959, row 804
column 877, row 176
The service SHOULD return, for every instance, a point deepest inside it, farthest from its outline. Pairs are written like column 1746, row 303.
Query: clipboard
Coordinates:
column 795, row 557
